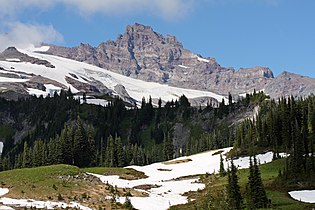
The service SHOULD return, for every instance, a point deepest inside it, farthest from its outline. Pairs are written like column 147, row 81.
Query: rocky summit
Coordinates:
column 145, row 54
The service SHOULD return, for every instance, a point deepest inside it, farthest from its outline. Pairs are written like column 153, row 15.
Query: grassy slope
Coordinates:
column 279, row 197
column 40, row 182
column 47, row 182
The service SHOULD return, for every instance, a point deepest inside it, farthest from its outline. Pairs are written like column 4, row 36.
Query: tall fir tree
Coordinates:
column 234, row 196
column 256, row 194
column 222, row 171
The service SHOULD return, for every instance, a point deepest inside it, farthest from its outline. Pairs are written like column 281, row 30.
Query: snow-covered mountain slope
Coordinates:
column 82, row 77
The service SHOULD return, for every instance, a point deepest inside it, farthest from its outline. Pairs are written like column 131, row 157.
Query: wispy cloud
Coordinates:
column 22, row 35
column 14, row 32
column 265, row 2
column 167, row 9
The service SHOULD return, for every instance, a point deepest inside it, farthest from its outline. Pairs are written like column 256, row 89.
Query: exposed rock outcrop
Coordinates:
column 145, row 54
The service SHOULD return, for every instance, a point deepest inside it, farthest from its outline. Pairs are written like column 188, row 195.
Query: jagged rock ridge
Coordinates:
column 147, row 55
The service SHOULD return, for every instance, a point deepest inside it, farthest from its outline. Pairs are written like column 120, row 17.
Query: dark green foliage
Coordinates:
column 256, row 194
column 283, row 126
column 65, row 131
column 82, row 146
column 222, row 171
column 234, row 196
column 168, row 147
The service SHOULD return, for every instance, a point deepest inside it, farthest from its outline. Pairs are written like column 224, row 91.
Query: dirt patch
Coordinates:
column 130, row 174
column 196, row 176
column 164, row 169
column 146, row 186
column 218, row 152
column 177, row 161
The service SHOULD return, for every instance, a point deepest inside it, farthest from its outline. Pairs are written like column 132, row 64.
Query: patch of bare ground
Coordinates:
column 177, row 161
column 146, row 186
column 164, row 169
column 196, row 176
column 127, row 174
column 218, row 152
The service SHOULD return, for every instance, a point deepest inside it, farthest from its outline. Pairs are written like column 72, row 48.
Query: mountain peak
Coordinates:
column 139, row 27
column 146, row 35
column 142, row 53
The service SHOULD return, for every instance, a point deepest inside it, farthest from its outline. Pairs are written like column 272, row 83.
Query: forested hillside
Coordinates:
column 286, row 125
column 53, row 130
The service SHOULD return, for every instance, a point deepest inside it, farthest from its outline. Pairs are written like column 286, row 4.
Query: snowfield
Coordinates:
column 307, row 196
column 84, row 73
column 169, row 187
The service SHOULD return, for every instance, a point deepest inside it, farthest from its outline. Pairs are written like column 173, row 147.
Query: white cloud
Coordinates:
column 168, row 9
column 10, row 8
column 22, row 35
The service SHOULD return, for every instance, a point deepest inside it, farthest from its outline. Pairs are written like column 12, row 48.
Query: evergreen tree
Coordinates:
column 222, row 171
column 27, row 161
column 257, row 197
column 234, row 196
column 81, row 146
column 111, row 151
column 66, row 138
column 120, row 152
column 168, row 147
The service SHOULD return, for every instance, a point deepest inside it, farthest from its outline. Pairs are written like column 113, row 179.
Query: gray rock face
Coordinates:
column 144, row 54
column 289, row 84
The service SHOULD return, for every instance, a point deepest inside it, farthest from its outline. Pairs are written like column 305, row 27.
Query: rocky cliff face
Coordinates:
column 144, row 54
column 287, row 84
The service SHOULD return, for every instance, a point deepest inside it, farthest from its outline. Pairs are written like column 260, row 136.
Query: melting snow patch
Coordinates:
column 6, row 208
column 182, row 66
column 307, row 196
column 13, row 59
column 38, row 49
column 34, row 203
column 174, row 180
column 202, row 59
column 3, row 191
column 6, row 79
column 40, row 204
column 36, row 92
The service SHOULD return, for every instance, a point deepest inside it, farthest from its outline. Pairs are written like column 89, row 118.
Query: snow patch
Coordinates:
column 171, row 187
column 36, row 92
column 50, row 90
column 307, row 196
column 37, row 204
column 182, row 66
column 7, row 79
column 1, row 148
column 202, row 59
column 41, row 204
column 13, row 59
column 101, row 102
column 38, row 49
column 3, row 191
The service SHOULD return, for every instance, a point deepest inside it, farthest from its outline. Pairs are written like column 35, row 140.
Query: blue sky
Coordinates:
column 279, row 34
